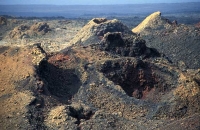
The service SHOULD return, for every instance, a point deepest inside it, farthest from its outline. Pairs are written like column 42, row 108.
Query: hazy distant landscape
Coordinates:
column 77, row 11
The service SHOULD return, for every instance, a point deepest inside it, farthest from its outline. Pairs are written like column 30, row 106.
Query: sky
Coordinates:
column 89, row 2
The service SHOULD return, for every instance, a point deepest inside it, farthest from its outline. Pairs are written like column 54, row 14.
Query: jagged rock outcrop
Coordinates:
column 126, row 45
column 94, row 30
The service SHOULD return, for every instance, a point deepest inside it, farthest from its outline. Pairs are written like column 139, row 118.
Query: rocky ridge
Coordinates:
column 24, row 31
column 178, row 41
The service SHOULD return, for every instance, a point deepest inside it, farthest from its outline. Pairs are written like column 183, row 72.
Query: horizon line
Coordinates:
column 100, row 4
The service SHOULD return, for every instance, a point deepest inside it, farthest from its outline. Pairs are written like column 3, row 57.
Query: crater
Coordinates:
column 137, row 78
column 63, row 83
column 99, row 20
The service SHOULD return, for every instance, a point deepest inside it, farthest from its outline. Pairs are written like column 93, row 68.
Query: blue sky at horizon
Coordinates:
column 89, row 2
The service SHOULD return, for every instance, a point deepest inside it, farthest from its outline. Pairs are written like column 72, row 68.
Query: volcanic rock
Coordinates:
column 178, row 42
column 95, row 29
column 153, row 22
column 3, row 20
column 59, row 118
column 116, row 82
column 19, row 32
column 39, row 28
column 38, row 54
column 17, row 79
column 130, row 89
column 25, row 31
column 126, row 45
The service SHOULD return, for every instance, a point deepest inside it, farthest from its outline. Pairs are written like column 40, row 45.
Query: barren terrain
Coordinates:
column 99, row 74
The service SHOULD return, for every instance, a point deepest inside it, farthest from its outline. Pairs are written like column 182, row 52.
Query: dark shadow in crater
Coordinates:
column 135, row 77
column 99, row 20
column 139, row 79
column 63, row 83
